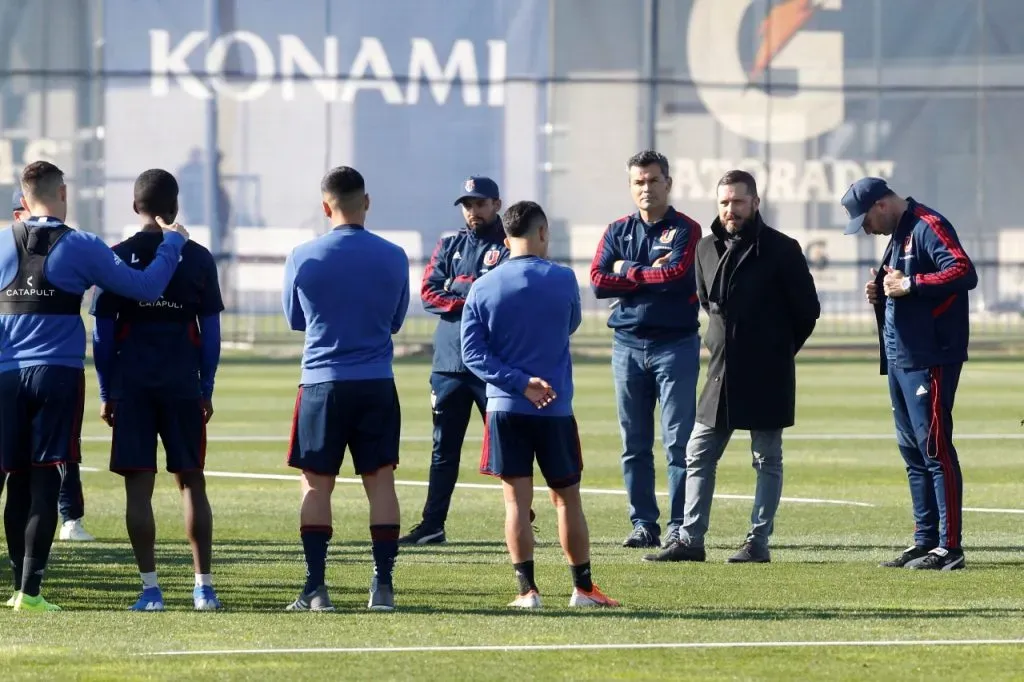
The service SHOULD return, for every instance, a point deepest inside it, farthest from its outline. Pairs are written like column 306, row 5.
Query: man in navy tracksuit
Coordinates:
column 645, row 262
column 71, row 502
column 456, row 263
column 45, row 269
column 920, row 300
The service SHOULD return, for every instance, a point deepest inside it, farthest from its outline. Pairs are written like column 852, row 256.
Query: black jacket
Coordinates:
column 759, row 318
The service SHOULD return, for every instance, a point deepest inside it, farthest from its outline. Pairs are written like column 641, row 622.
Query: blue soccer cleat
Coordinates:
column 205, row 599
column 151, row 599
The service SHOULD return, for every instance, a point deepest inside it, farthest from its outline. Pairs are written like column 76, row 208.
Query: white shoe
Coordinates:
column 530, row 600
column 72, row 531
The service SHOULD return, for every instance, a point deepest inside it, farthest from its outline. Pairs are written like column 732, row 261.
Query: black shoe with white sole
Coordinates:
column 909, row 557
column 941, row 559
column 642, row 537
column 423, row 535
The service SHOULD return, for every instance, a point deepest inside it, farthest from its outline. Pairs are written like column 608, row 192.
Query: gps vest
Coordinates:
column 177, row 305
column 31, row 293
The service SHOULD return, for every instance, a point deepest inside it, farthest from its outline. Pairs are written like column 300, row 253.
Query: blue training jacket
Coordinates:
column 931, row 324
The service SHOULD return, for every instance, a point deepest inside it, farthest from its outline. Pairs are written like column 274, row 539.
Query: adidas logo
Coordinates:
column 457, row 256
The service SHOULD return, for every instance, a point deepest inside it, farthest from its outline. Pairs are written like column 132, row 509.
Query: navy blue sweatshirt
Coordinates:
column 172, row 344
column 929, row 326
column 77, row 262
column 653, row 302
column 456, row 263
column 516, row 325
column 349, row 291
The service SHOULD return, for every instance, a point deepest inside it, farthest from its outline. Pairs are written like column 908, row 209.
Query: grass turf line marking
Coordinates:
column 478, row 439
column 598, row 647
column 491, row 486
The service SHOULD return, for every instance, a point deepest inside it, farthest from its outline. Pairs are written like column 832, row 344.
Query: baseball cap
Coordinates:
column 478, row 187
column 859, row 199
column 16, row 200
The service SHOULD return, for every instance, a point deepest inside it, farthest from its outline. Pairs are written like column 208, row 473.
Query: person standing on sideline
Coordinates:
column 45, row 269
column 71, row 502
column 347, row 396
column 921, row 309
column 762, row 305
column 529, row 396
column 645, row 262
column 455, row 265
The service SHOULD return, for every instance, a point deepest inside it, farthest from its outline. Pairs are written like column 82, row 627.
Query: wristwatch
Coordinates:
column 905, row 283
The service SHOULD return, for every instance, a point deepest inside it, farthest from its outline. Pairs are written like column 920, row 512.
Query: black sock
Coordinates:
column 42, row 524
column 314, row 548
column 581, row 577
column 524, row 574
column 16, row 574
column 385, row 550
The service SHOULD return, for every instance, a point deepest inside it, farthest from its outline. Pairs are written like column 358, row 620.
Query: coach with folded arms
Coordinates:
column 757, row 289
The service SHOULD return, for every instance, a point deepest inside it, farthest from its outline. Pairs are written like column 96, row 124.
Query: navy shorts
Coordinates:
column 41, row 412
column 512, row 440
column 363, row 416
column 141, row 418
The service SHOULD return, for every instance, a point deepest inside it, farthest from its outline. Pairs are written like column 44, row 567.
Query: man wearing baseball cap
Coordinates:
column 71, row 502
column 921, row 309
column 457, row 262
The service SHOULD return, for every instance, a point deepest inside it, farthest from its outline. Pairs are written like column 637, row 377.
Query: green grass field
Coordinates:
column 823, row 585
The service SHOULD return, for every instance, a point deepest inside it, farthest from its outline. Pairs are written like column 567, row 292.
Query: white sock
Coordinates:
column 148, row 580
column 204, row 580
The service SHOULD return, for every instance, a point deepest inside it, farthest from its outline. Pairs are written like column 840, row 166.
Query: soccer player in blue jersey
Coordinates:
column 45, row 269
column 349, row 292
column 156, row 363
column 515, row 336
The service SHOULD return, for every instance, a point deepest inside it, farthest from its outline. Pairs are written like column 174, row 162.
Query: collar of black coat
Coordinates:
column 751, row 231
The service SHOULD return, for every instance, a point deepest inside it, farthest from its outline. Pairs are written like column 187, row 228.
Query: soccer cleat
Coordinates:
column 423, row 535
column 641, row 538
column 10, row 602
column 671, row 537
column 530, row 600
column 941, row 559
column 317, row 600
column 750, row 553
column 73, row 531
column 382, row 597
column 35, row 604
column 205, row 599
column 151, row 599
column 908, row 559
column 678, row 551
column 592, row 598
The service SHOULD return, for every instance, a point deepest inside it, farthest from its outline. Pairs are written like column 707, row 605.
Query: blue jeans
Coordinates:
column 661, row 372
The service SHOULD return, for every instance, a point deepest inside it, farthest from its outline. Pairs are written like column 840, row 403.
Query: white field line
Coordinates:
column 492, row 486
column 477, row 439
column 600, row 647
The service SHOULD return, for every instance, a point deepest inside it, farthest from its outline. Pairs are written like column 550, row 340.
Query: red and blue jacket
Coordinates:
column 654, row 303
column 456, row 263
column 930, row 326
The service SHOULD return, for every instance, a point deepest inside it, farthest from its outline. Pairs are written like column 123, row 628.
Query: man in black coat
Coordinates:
column 757, row 289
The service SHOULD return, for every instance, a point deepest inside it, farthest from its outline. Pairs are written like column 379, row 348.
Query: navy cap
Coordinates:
column 859, row 199
column 16, row 200
column 478, row 187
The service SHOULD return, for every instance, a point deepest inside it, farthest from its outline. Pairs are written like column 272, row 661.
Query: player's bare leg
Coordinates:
column 518, row 494
column 199, row 529
column 575, row 538
column 316, row 531
column 141, row 526
column 385, row 518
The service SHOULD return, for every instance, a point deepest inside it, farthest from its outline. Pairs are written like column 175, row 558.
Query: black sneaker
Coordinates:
column 750, row 554
column 941, row 559
column 671, row 537
column 678, row 551
column 641, row 538
column 910, row 556
column 423, row 535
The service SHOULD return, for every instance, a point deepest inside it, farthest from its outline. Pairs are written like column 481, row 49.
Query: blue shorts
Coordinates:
column 142, row 417
column 511, row 441
column 41, row 412
column 363, row 416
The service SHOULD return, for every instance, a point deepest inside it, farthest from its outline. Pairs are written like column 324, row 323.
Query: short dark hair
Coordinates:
column 156, row 194
column 648, row 157
column 41, row 179
column 522, row 218
column 342, row 184
column 740, row 177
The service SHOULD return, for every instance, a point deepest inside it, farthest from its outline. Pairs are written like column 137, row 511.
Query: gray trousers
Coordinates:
column 703, row 451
